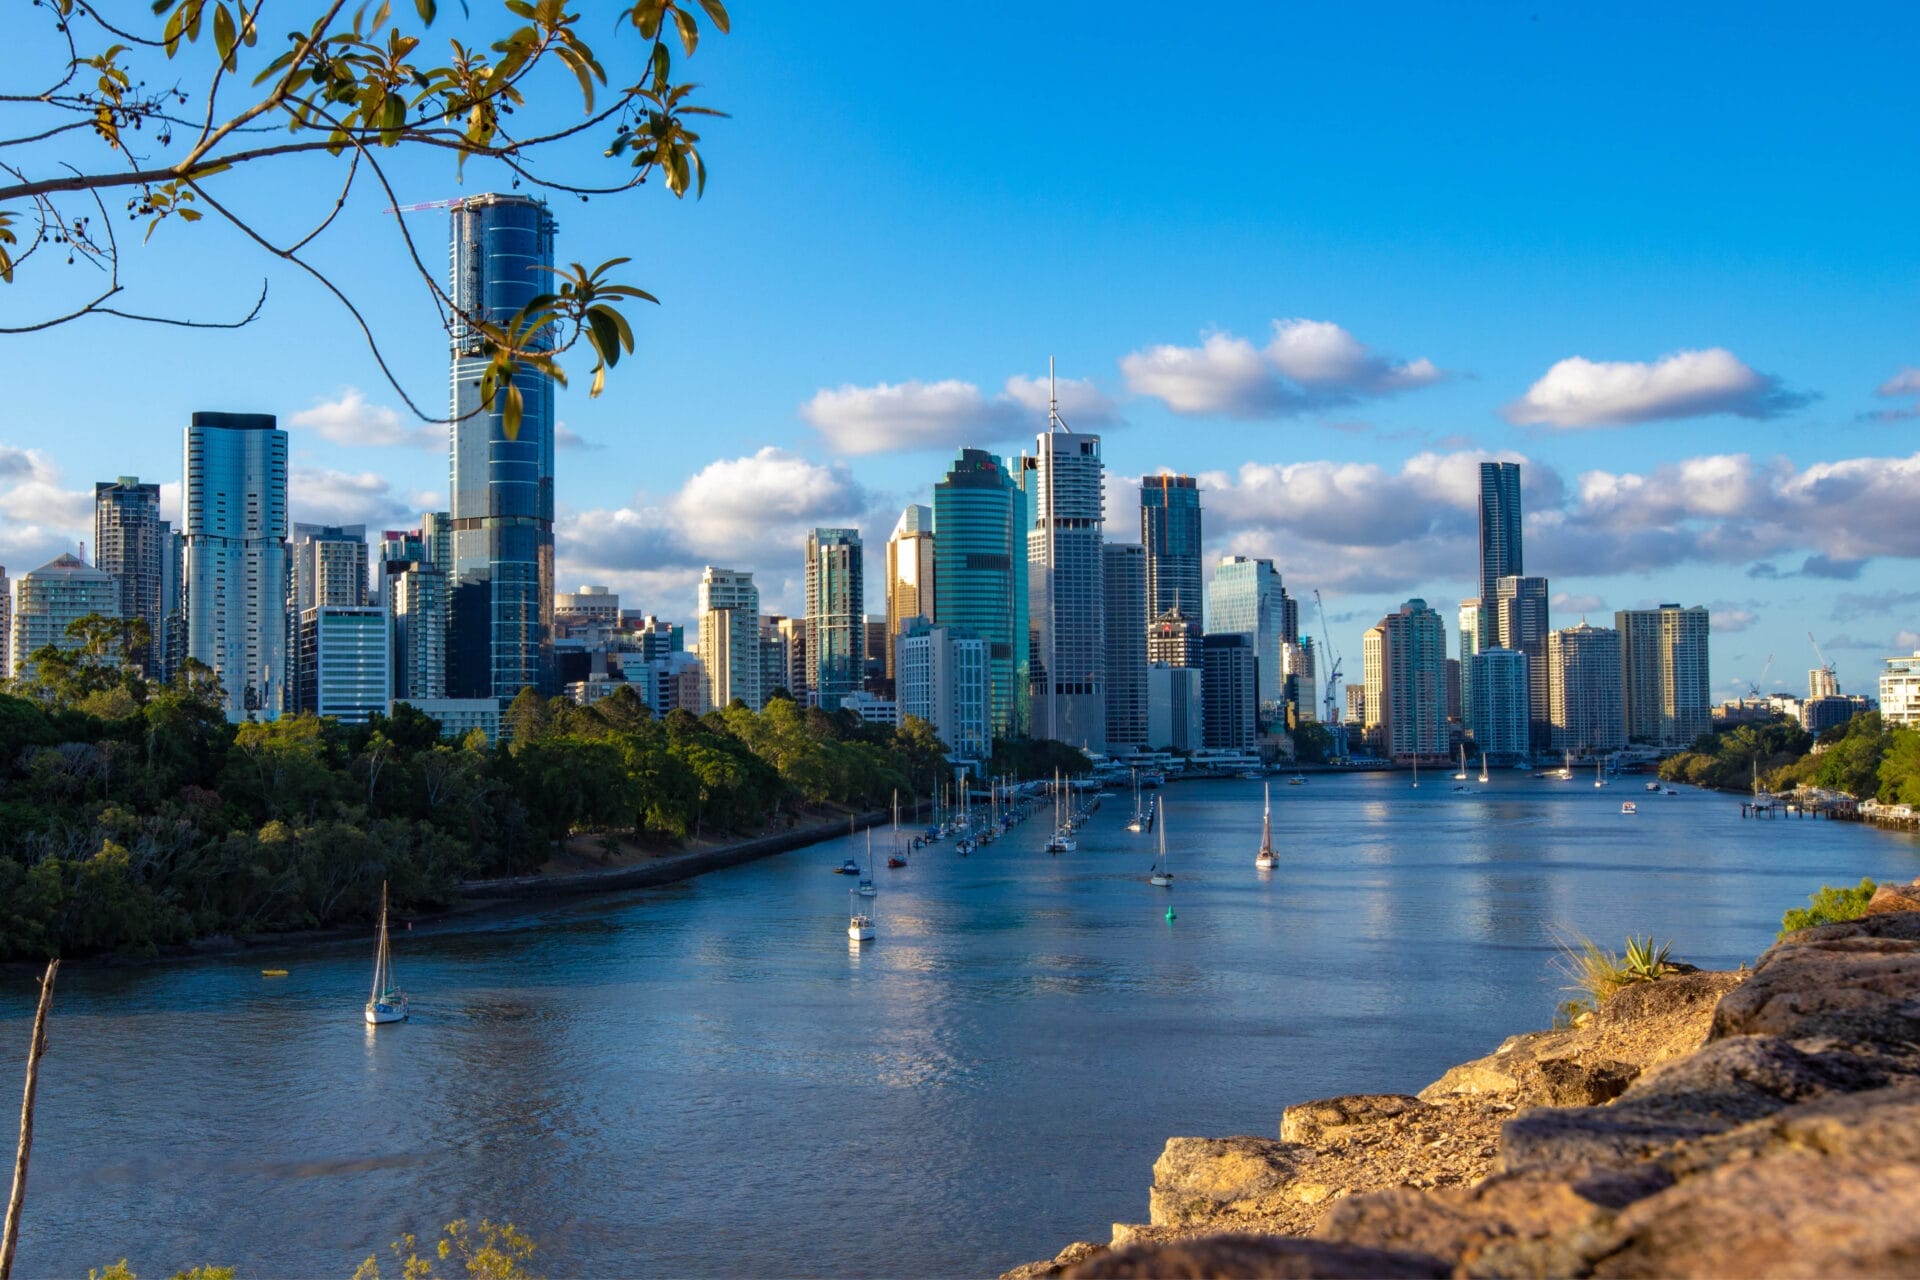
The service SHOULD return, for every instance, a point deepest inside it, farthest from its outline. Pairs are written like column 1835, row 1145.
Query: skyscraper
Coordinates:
column 1520, row 622
column 730, row 637
column 414, row 594
column 1245, row 598
column 1500, row 525
column 1469, row 646
column 346, row 662
column 1584, row 690
column 1499, row 723
column 501, row 638
column 980, row 525
column 1406, row 672
column 1173, row 639
column 1664, row 678
column 836, row 618
column 130, row 545
column 52, row 597
column 235, row 520
column 1066, row 614
column 910, row 576
column 1126, row 599
column 941, row 677
column 6, row 625
column 329, row 566
column 1170, row 532
column 1229, row 690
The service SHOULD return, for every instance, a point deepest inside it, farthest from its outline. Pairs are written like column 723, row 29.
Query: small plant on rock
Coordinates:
column 1594, row 973
column 1829, row 906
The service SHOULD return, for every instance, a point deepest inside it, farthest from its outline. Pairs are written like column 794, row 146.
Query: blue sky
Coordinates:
column 1327, row 257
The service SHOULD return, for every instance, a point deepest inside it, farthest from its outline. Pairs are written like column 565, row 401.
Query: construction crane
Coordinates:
column 1332, row 719
column 425, row 204
column 1754, row 688
column 1832, row 681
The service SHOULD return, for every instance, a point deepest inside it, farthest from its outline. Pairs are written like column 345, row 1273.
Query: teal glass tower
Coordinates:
column 980, row 522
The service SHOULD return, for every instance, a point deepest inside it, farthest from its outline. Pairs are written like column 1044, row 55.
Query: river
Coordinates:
column 707, row 1080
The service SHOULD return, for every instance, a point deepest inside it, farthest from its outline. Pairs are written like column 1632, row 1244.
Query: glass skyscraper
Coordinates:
column 1170, row 532
column 1245, row 597
column 236, row 558
column 501, row 577
column 130, row 542
column 1066, row 589
column 980, row 523
column 836, row 615
column 1500, row 525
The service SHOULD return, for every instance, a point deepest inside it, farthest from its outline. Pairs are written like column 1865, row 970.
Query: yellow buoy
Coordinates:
column 273, row 973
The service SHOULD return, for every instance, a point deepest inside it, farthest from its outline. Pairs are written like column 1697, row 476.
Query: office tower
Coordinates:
column 346, row 662
column 436, row 534
column 1584, row 699
column 1500, row 726
column 1125, row 589
column 940, row 675
column 413, row 595
column 1245, row 598
column 1066, row 615
column 1174, row 639
column 910, row 575
column 6, row 625
column 836, row 618
column 773, row 656
column 798, row 678
column 501, row 628
column 237, row 563
column 1822, row 682
column 874, row 644
column 1170, row 532
column 980, row 522
column 1520, row 622
column 1664, row 677
column 49, row 599
column 329, row 566
column 1299, row 680
column 593, row 606
column 130, row 545
column 173, row 601
column 1406, row 671
column 730, row 637
column 1500, row 526
column 1453, row 691
column 1229, row 691
column 1175, row 714
column 1469, row 645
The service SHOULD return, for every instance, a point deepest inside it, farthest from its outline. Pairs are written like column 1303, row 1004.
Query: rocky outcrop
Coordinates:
column 1771, row 1126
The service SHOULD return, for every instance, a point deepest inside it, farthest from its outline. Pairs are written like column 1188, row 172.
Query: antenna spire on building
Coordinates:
column 1054, row 421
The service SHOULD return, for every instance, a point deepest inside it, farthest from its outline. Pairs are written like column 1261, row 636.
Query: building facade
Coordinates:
column 590, row 606
column 1126, row 600
column 1469, row 646
column 836, row 616
column 49, row 599
column 1170, row 531
column 1174, row 639
column 501, row 576
column 1899, row 691
column 910, row 576
column 1520, row 622
column 1066, row 589
column 941, row 676
column 1500, row 727
column 236, row 559
column 1229, row 691
column 1664, row 674
column 329, row 566
column 1501, row 526
column 1246, row 598
column 1406, row 661
column 1176, row 719
column 1585, row 706
column 730, row 637
column 346, row 662
column 131, row 544
column 980, row 525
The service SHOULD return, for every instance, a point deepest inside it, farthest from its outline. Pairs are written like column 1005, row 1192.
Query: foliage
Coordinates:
column 160, row 822
column 120, row 1271
column 1594, row 973
column 1032, row 758
column 1830, row 905
column 1900, row 768
column 491, row 1251
column 181, row 103
column 1726, row 758
column 1312, row 742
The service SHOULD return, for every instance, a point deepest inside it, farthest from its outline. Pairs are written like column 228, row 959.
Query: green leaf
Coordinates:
column 223, row 34
column 426, row 9
column 689, row 30
column 717, row 14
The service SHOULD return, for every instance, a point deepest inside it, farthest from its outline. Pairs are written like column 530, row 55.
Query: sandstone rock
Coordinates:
column 1306, row 1122
column 1068, row 1258
column 1880, row 1124
column 1859, row 980
column 1199, row 1179
column 1254, row 1257
column 1894, row 897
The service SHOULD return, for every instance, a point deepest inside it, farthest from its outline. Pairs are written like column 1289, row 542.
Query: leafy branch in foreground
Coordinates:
column 179, row 105
column 1830, row 905
column 491, row 1251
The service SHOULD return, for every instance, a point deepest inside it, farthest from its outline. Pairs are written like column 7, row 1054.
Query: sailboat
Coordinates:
column 1162, row 874
column 1062, row 841
column 1416, row 771
column 1265, row 859
column 1483, row 766
column 1598, row 779
column 859, row 926
column 1462, row 775
column 1139, row 821
column 865, row 888
column 898, row 858
column 387, row 1003
column 1565, row 773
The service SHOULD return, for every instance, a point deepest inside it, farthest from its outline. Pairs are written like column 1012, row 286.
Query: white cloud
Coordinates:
column 894, row 417
column 1083, row 404
column 1307, row 366
column 39, row 518
column 1568, row 602
column 1578, row 392
column 318, row 495
column 348, row 419
column 565, row 437
column 1904, row 383
column 1728, row 621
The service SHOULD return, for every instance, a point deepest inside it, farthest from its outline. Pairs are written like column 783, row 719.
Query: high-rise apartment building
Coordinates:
column 130, row 544
column 1664, row 678
column 1176, row 718
column 501, row 628
column 910, row 575
column 1170, row 530
column 940, row 675
column 1499, row 723
column 1066, row 608
column 49, row 599
column 1230, row 688
column 346, row 662
column 1584, row 704
column 1300, row 680
column 1469, row 646
column 1500, row 526
column 836, row 617
column 980, row 521
column 413, row 594
column 1520, row 622
column 1246, row 598
column 237, row 563
column 329, row 566
column 1126, row 600
column 1405, row 657
column 730, row 637
column 1899, row 690
column 1173, row 639
column 1822, row 682
column 6, row 625
column 590, row 606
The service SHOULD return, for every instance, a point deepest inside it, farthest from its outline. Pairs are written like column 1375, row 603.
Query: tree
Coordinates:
column 181, row 104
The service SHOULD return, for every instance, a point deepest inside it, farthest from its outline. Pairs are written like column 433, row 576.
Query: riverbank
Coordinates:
column 1676, row 1131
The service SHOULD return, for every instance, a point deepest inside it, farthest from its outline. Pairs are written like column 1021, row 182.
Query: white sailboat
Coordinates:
column 1416, row 771
column 866, row 888
column 859, row 926
column 1462, row 775
column 1062, row 840
column 1139, row 821
column 1599, row 780
column 1162, row 874
column 1265, row 859
column 387, row 1003
column 1483, row 766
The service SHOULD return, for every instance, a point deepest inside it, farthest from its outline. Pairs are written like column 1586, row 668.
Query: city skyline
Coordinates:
column 1332, row 368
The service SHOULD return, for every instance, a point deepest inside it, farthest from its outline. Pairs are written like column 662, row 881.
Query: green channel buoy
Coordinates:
column 1169, row 913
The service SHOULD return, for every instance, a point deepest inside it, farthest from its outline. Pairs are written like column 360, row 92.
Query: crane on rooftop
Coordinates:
column 1332, row 719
